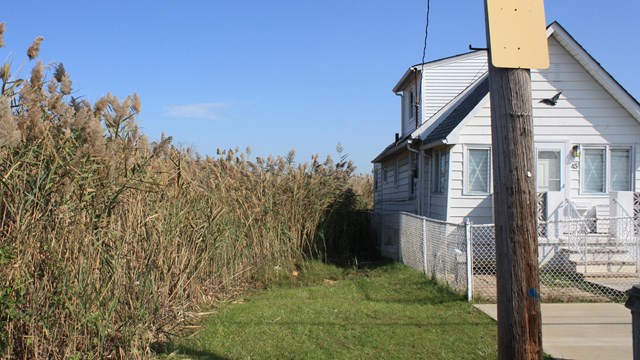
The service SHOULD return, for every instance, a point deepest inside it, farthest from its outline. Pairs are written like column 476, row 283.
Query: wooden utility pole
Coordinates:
column 514, row 196
column 512, row 52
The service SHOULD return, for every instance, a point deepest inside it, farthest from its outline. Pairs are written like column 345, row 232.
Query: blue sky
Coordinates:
column 281, row 74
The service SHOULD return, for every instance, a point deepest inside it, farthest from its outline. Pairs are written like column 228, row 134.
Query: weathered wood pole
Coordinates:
column 514, row 192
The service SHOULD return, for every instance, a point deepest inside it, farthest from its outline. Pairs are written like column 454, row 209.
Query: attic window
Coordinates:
column 412, row 104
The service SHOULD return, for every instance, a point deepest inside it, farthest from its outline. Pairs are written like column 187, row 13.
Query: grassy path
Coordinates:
column 387, row 312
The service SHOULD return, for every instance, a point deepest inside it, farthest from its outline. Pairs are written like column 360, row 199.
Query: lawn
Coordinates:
column 384, row 312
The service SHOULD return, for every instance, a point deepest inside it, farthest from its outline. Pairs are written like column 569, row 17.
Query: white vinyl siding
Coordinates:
column 393, row 192
column 408, row 108
column 444, row 80
column 585, row 114
column 396, row 172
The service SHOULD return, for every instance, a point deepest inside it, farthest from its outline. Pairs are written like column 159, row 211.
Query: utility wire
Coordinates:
column 426, row 31
column 418, row 94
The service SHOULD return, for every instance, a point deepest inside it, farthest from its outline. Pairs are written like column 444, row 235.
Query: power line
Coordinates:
column 426, row 31
column 418, row 91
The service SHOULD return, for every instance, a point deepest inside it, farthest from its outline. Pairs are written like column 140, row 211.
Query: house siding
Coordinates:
column 408, row 121
column 586, row 114
column 443, row 82
column 394, row 196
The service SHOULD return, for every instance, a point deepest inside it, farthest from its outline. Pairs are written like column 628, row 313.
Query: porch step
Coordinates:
column 605, row 266
column 612, row 267
column 601, row 275
column 598, row 253
column 589, row 239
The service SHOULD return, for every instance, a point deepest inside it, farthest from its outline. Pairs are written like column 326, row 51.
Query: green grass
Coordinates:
column 388, row 311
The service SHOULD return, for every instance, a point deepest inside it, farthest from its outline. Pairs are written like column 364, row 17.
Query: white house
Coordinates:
column 439, row 164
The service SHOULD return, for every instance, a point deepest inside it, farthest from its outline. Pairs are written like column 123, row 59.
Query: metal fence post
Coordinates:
column 424, row 245
column 469, row 240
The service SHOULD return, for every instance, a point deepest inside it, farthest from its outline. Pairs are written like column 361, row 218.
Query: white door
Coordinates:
column 549, row 166
column 550, row 177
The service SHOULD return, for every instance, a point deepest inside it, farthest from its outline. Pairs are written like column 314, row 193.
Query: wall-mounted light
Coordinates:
column 575, row 151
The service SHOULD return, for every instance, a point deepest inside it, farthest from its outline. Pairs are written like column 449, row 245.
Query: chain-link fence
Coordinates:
column 434, row 247
column 580, row 260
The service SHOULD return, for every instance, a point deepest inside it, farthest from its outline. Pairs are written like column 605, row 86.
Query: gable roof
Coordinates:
column 595, row 69
column 419, row 67
column 449, row 117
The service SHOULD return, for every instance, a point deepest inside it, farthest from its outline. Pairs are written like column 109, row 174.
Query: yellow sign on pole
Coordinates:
column 517, row 34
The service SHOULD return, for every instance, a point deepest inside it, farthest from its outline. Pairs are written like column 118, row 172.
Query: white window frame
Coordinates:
column 439, row 188
column 631, row 167
column 607, row 166
column 583, row 168
column 553, row 147
column 467, row 172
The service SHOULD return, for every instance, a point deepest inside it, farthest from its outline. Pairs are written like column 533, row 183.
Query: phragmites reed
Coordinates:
column 10, row 136
column 107, row 241
column 61, row 76
column 34, row 49
column 2, row 30
column 136, row 105
column 5, row 72
column 37, row 75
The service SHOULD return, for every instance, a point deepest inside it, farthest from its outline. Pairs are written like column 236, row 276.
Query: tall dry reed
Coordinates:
column 106, row 240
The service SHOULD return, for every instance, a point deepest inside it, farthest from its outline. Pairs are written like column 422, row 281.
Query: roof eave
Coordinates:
column 420, row 66
column 410, row 73
column 392, row 150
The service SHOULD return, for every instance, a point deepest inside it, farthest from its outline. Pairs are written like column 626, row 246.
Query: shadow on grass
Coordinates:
column 167, row 349
column 413, row 289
